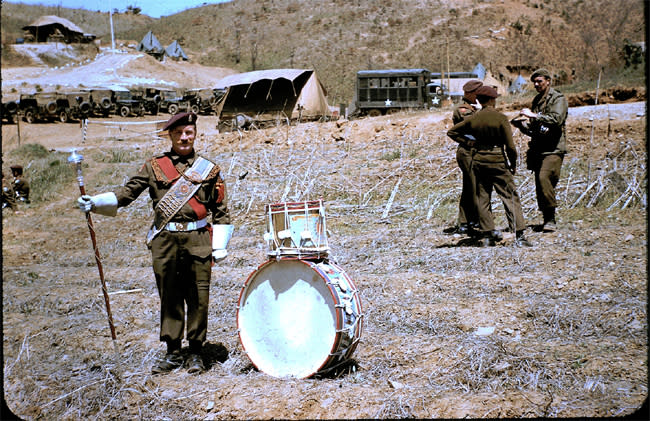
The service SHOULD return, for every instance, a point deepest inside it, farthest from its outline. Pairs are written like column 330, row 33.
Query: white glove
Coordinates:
column 103, row 204
column 221, row 235
column 477, row 105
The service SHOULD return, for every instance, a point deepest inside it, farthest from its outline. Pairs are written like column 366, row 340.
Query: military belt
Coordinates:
column 186, row 226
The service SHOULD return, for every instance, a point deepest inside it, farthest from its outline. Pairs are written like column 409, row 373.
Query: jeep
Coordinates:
column 44, row 106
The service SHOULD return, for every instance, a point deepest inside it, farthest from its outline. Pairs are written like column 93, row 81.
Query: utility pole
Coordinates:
column 110, row 12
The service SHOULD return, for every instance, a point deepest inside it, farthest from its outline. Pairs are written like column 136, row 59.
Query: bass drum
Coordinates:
column 297, row 317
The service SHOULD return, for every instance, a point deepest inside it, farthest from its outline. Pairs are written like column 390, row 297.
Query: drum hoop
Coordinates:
column 338, row 310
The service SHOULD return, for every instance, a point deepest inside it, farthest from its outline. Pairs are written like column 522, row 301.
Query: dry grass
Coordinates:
column 569, row 314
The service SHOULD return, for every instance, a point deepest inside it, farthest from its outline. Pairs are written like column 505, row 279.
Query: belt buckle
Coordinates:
column 180, row 226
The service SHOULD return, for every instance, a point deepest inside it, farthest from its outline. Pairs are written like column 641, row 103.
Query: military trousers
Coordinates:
column 182, row 263
column 467, row 205
column 547, row 175
column 495, row 176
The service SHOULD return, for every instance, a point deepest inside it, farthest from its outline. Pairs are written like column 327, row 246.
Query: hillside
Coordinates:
column 338, row 37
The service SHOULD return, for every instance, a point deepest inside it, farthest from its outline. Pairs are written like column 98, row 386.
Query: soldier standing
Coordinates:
column 187, row 189
column 546, row 127
column 467, row 215
column 21, row 185
column 8, row 195
column 488, row 132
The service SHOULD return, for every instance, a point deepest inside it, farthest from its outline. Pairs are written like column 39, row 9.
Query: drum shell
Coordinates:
column 336, row 343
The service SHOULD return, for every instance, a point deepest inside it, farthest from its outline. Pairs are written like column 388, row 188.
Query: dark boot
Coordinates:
column 521, row 240
column 549, row 220
column 171, row 361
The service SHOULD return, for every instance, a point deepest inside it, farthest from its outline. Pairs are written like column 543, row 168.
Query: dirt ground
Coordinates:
column 450, row 330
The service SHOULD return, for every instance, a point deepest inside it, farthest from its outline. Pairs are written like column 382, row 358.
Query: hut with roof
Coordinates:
column 55, row 28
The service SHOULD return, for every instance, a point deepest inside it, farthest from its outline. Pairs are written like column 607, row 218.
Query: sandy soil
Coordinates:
column 450, row 330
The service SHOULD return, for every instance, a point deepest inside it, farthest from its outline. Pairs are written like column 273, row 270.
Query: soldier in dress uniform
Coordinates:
column 190, row 207
column 467, row 215
column 493, row 164
column 8, row 195
column 21, row 185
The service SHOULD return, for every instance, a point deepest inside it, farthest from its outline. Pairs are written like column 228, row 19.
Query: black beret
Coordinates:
column 487, row 91
column 181, row 119
column 540, row 72
column 472, row 85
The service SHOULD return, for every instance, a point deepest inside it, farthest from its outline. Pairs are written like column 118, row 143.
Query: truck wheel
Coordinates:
column 85, row 107
column 63, row 117
column 51, row 107
column 173, row 109
column 392, row 111
column 29, row 116
column 374, row 112
column 195, row 109
column 106, row 103
column 125, row 111
column 157, row 99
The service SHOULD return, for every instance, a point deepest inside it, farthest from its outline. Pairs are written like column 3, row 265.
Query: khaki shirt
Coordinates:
column 462, row 111
column 212, row 193
column 492, row 132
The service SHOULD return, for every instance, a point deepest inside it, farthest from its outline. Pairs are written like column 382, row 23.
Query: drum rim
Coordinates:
column 337, row 310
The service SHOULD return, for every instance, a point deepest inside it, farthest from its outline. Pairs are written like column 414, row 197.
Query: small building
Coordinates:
column 55, row 28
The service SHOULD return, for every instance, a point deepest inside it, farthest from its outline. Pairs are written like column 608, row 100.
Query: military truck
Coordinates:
column 128, row 103
column 379, row 92
column 174, row 101
column 206, row 99
column 102, row 101
column 80, row 104
column 44, row 106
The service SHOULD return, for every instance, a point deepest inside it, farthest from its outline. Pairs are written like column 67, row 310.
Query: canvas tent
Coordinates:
column 518, row 85
column 480, row 71
column 292, row 93
column 151, row 46
column 51, row 26
column 175, row 51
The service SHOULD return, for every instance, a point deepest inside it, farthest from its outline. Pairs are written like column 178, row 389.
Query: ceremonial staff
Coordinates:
column 77, row 159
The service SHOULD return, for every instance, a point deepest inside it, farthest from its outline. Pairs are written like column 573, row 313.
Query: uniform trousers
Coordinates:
column 467, row 205
column 495, row 175
column 182, row 264
column 547, row 175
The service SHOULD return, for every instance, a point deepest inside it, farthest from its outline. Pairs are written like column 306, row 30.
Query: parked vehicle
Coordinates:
column 206, row 99
column 44, row 106
column 174, row 101
column 151, row 100
column 80, row 104
column 386, row 91
column 102, row 101
column 127, row 103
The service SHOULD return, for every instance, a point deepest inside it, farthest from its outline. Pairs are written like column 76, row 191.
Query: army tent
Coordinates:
column 47, row 27
column 292, row 93
column 151, row 46
column 480, row 71
column 517, row 86
column 175, row 51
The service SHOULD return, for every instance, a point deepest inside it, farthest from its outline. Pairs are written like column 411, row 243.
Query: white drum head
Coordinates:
column 287, row 319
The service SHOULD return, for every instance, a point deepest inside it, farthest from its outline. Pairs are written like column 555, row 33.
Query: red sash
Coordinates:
column 172, row 174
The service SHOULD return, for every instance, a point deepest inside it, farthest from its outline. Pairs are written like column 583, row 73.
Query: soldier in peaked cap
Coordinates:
column 21, row 185
column 467, row 215
column 545, row 123
column 488, row 132
column 191, row 229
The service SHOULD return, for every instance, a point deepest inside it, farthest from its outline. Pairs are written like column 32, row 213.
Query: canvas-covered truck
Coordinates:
column 380, row 92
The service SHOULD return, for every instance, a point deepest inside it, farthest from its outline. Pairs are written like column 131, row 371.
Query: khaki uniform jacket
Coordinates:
column 548, row 131
column 493, row 136
column 212, row 193
column 462, row 111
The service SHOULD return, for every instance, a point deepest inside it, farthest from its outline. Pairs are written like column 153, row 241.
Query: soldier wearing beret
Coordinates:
column 191, row 229
column 545, row 123
column 21, row 185
column 467, row 215
column 488, row 132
